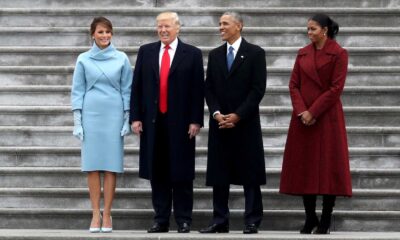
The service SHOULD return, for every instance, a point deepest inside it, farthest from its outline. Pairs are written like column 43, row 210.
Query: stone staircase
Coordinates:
column 42, row 187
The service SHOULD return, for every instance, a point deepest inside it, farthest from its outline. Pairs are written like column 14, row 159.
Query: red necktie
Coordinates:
column 164, row 70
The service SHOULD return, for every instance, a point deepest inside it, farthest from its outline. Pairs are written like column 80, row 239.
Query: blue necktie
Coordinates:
column 229, row 58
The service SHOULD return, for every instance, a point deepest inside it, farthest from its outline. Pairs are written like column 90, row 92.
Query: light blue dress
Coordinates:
column 101, row 89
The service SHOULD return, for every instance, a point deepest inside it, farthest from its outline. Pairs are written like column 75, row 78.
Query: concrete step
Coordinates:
column 62, row 75
column 204, row 16
column 31, row 95
column 140, row 198
column 271, row 116
column 197, row 3
column 46, row 234
column 276, row 56
column 360, row 157
column 280, row 3
column 72, row 177
column 139, row 219
column 387, row 136
column 198, row 36
column 352, row 96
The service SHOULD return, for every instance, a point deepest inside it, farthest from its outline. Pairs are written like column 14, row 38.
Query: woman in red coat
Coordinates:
column 316, row 160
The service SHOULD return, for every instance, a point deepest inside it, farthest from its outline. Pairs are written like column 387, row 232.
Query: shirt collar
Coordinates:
column 235, row 45
column 172, row 46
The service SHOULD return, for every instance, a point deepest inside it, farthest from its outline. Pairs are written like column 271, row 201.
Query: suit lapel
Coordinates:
column 221, row 60
column 155, row 60
column 179, row 55
column 308, row 63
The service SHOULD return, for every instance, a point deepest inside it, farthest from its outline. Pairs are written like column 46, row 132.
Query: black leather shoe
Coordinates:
column 184, row 228
column 158, row 228
column 250, row 228
column 215, row 228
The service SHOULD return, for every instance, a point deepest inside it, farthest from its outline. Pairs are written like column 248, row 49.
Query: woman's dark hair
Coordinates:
column 100, row 20
column 325, row 21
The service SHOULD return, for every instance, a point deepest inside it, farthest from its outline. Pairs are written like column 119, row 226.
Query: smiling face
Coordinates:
column 167, row 28
column 229, row 28
column 102, row 36
column 315, row 32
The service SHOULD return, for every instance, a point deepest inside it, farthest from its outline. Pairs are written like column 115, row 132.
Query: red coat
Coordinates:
column 316, row 158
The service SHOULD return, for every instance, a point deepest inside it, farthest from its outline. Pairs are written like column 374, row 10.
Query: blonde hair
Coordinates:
column 169, row 15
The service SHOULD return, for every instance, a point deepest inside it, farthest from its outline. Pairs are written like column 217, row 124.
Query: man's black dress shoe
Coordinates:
column 158, row 228
column 215, row 228
column 250, row 228
column 183, row 228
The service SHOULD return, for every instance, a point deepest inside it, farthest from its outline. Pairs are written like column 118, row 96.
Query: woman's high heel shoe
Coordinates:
column 95, row 229
column 310, row 225
column 322, row 230
column 108, row 229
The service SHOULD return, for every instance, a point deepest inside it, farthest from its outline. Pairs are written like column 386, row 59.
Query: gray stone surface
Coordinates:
column 141, row 219
column 198, row 36
column 275, row 56
column 47, row 234
column 41, row 183
column 68, row 177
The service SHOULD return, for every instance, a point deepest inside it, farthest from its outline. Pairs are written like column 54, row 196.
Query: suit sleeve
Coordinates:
column 211, row 96
column 257, row 89
column 332, row 95
column 78, row 86
column 197, row 110
column 136, row 92
column 126, row 83
column 294, row 89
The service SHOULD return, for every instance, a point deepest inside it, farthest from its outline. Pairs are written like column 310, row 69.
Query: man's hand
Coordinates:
column 229, row 121
column 137, row 127
column 194, row 129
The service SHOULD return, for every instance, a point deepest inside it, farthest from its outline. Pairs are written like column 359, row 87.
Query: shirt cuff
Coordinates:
column 215, row 113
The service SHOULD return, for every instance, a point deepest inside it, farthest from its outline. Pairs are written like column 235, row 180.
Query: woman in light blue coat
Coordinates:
column 100, row 97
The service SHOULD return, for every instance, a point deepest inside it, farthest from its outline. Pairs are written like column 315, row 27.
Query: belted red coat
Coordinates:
column 316, row 158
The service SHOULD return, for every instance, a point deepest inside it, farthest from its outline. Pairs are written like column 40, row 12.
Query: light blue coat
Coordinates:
column 91, row 65
column 101, row 89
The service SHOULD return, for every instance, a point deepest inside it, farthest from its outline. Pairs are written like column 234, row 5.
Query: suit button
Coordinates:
column 153, row 121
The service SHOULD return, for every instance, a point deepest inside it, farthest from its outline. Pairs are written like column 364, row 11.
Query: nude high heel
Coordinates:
column 107, row 230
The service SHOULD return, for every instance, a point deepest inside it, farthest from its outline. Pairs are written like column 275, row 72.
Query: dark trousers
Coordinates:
column 166, row 193
column 253, row 205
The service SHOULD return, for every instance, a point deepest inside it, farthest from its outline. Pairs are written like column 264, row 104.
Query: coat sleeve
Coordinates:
column 136, row 90
column 197, row 109
column 257, row 89
column 332, row 95
column 294, row 89
column 126, row 83
column 211, row 96
column 78, row 86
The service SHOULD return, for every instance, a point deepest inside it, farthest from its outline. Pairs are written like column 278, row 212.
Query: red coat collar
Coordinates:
column 331, row 47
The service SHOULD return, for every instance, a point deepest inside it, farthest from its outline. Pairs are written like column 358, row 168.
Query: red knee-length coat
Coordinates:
column 316, row 158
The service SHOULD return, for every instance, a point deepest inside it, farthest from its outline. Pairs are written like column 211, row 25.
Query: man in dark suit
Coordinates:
column 167, row 107
column 235, row 85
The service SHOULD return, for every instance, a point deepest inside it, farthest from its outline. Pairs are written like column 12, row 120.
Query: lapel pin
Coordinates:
column 241, row 56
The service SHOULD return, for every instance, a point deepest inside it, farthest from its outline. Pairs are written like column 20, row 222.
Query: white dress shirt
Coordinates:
column 235, row 46
column 171, row 51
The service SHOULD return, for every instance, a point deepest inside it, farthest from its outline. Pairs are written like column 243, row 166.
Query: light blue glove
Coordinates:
column 126, row 128
column 78, row 130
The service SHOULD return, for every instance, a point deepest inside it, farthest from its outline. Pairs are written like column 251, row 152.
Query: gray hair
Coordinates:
column 172, row 15
column 235, row 16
